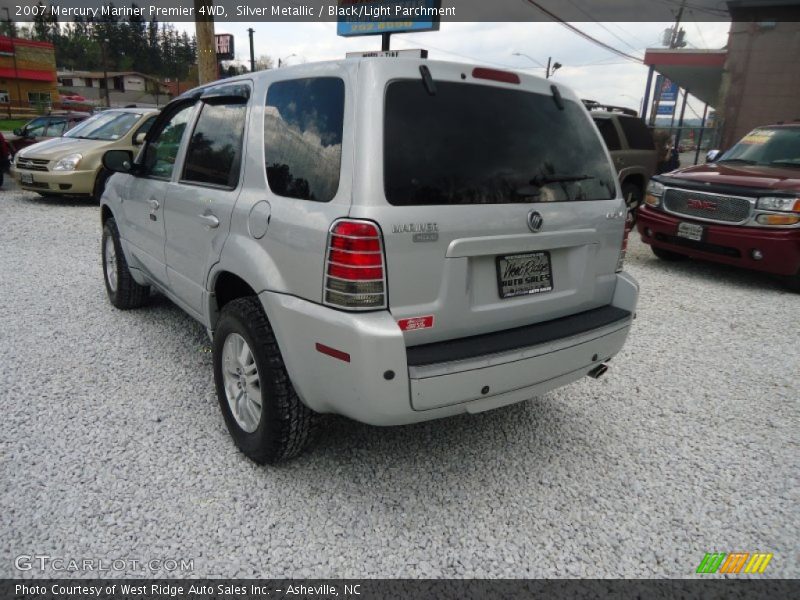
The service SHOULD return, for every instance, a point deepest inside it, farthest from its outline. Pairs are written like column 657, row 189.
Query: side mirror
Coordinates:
column 18, row 132
column 118, row 161
column 713, row 155
column 138, row 139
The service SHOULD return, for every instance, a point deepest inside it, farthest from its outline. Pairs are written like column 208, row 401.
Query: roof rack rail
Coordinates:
column 595, row 105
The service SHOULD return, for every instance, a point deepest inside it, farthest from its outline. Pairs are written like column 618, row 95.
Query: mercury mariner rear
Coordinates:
column 481, row 260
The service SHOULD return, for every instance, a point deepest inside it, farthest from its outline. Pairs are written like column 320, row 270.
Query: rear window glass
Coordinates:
column 637, row 133
column 476, row 144
column 303, row 124
column 609, row 133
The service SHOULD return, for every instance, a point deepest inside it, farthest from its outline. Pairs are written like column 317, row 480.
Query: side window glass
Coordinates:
column 56, row 127
column 36, row 128
column 609, row 133
column 215, row 148
column 163, row 150
column 145, row 127
column 303, row 123
column 639, row 136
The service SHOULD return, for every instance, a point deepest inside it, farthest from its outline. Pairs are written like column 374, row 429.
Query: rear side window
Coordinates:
column 56, row 127
column 637, row 133
column 477, row 144
column 215, row 148
column 303, row 125
column 609, row 133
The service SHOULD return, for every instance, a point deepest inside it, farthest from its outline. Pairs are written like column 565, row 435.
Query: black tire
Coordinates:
column 125, row 293
column 667, row 254
column 100, row 184
column 286, row 425
column 633, row 199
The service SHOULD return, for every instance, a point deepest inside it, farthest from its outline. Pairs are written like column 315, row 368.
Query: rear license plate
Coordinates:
column 690, row 231
column 26, row 177
column 522, row 274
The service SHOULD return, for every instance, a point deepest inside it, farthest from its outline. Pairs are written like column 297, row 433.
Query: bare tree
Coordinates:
column 264, row 62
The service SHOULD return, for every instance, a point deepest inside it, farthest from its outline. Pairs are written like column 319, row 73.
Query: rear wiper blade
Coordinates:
column 541, row 180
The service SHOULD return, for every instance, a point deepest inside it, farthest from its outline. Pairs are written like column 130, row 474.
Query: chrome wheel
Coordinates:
column 241, row 382
column 110, row 258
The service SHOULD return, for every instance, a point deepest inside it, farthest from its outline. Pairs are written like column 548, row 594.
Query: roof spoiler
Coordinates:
column 595, row 105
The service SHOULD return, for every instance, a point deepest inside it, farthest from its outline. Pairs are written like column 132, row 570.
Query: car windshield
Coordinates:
column 479, row 144
column 37, row 126
column 776, row 146
column 108, row 125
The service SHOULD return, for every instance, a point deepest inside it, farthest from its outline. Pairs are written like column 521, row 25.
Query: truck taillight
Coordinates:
column 624, row 248
column 355, row 267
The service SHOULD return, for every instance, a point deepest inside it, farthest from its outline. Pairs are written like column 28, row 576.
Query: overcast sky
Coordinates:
column 592, row 71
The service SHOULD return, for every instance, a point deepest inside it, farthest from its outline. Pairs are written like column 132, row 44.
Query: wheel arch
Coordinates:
column 105, row 214
column 225, row 287
column 637, row 179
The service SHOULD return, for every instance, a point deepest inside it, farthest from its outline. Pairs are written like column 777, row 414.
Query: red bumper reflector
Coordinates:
column 415, row 323
column 344, row 356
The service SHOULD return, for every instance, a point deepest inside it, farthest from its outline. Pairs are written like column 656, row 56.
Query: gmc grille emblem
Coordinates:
column 701, row 204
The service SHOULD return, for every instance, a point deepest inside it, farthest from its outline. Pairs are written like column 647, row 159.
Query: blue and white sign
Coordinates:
column 376, row 17
column 666, row 109
column 669, row 89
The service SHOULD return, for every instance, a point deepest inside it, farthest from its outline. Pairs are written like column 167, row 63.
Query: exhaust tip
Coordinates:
column 598, row 371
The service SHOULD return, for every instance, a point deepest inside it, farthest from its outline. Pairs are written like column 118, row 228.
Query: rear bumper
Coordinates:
column 363, row 389
column 728, row 244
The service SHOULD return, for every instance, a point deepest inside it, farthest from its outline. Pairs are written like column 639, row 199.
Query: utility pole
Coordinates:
column 550, row 70
column 104, row 50
column 207, row 66
column 250, row 31
column 675, row 39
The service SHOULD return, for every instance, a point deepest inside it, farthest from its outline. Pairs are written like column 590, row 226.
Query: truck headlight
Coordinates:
column 68, row 163
column 654, row 193
column 779, row 204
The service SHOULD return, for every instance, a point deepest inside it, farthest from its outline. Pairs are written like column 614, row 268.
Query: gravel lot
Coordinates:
column 113, row 445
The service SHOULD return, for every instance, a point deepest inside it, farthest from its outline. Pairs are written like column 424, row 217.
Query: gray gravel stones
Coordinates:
column 113, row 446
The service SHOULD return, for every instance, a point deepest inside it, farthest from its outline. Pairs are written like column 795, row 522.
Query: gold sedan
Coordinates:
column 71, row 165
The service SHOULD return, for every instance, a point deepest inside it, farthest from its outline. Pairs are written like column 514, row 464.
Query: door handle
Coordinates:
column 154, row 204
column 211, row 221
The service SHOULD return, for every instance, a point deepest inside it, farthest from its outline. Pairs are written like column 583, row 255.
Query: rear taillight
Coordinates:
column 355, row 268
column 624, row 248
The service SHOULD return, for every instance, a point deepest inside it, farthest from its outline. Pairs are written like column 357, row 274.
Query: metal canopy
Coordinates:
column 699, row 71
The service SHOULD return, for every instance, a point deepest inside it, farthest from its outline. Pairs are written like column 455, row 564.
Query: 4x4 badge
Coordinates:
column 535, row 221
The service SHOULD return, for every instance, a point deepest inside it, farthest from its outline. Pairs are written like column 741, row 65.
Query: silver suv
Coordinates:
column 393, row 240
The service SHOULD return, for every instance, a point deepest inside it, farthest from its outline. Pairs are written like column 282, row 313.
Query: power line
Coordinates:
column 700, row 32
column 583, row 34
column 600, row 24
column 717, row 12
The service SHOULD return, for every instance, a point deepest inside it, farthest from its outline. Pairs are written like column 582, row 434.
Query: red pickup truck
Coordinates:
column 743, row 209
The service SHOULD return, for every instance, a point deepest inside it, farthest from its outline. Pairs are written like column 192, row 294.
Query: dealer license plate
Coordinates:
column 690, row 231
column 522, row 274
column 26, row 177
